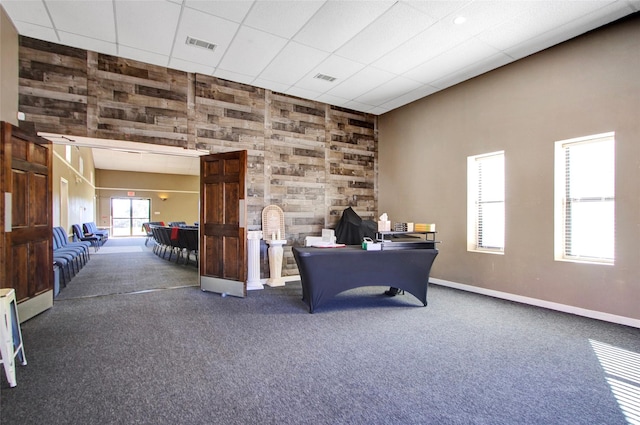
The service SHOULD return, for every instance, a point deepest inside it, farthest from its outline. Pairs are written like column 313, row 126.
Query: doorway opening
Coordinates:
column 128, row 214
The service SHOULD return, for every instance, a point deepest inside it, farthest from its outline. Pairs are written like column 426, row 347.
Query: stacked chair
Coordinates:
column 182, row 241
column 147, row 229
column 69, row 256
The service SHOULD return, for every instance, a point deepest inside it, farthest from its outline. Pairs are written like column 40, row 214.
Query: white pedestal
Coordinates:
column 275, row 261
column 253, row 260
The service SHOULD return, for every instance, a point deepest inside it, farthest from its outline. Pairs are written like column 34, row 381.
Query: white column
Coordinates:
column 253, row 260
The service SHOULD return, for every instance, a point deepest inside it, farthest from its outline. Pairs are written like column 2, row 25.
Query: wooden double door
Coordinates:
column 26, row 252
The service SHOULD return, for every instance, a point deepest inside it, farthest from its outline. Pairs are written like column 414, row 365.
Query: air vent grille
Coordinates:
column 325, row 77
column 200, row 43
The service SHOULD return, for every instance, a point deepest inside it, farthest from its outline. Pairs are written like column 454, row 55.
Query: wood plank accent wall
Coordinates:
column 311, row 159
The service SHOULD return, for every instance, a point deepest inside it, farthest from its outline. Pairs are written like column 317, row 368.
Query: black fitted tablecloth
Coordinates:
column 325, row 272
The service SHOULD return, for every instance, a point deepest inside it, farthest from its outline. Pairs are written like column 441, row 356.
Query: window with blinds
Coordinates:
column 486, row 202
column 585, row 199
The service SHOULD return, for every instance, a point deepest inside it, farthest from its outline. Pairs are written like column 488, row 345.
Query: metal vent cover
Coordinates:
column 325, row 77
column 200, row 43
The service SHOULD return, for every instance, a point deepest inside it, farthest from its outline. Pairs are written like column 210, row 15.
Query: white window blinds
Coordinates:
column 486, row 202
column 588, row 205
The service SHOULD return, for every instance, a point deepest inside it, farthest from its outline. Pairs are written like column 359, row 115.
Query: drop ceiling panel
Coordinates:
column 187, row 66
column 32, row 12
column 337, row 22
column 281, row 18
column 150, row 29
column 416, row 94
column 425, row 46
column 305, row 94
column 449, row 62
column 143, row 56
column 251, row 51
column 207, row 28
column 93, row 19
column 292, row 63
column 36, row 31
column 399, row 24
column 232, row 10
column 234, row 76
column 484, row 15
column 437, row 8
column 361, row 82
column 470, row 71
column 388, row 91
column 334, row 66
column 87, row 43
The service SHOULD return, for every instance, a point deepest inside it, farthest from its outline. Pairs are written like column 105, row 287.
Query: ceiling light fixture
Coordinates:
column 325, row 77
column 459, row 20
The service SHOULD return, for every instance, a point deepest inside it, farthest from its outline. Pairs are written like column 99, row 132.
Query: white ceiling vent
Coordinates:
column 325, row 77
column 200, row 43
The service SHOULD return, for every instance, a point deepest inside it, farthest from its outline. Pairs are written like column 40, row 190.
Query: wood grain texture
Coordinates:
column 311, row 159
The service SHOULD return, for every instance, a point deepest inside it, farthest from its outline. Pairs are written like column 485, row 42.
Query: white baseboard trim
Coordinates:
column 592, row 314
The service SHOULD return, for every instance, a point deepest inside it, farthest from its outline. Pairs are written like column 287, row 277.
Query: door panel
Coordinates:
column 27, row 239
column 222, row 230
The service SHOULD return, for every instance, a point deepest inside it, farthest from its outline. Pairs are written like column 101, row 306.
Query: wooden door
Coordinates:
column 223, row 232
column 27, row 220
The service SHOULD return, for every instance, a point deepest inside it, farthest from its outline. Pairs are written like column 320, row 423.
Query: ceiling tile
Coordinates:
column 97, row 18
column 190, row 66
column 143, row 56
column 234, row 76
column 438, row 9
column 361, row 82
column 232, row 10
column 358, row 106
column 292, row 63
column 344, row 18
column 484, row 15
column 28, row 12
column 281, row 18
column 477, row 68
column 451, row 61
column 87, row 43
column 388, row 91
column 305, row 94
column 147, row 28
column 271, row 85
column 251, row 51
column 36, row 31
column 207, row 28
column 331, row 100
column 425, row 46
column 397, row 25
column 412, row 96
column 334, row 66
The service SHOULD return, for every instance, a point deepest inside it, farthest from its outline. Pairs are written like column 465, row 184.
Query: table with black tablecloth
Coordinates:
column 325, row 272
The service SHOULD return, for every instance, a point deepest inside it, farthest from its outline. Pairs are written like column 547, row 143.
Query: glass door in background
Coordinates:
column 127, row 216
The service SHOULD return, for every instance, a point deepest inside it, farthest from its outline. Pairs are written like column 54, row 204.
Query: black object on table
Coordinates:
column 325, row 272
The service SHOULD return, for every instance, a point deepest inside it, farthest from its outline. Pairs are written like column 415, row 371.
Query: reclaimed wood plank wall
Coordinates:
column 311, row 159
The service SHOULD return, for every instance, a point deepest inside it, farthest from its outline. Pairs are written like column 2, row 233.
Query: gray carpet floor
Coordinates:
column 184, row 356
